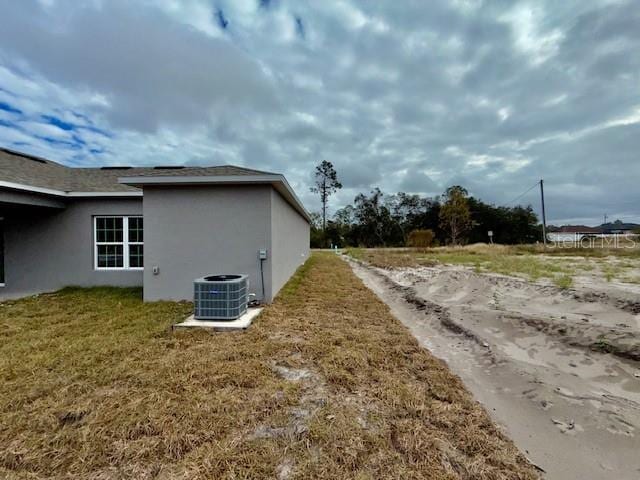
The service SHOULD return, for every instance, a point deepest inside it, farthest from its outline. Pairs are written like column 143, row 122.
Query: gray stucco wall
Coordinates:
column 47, row 249
column 289, row 240
column 191, row 231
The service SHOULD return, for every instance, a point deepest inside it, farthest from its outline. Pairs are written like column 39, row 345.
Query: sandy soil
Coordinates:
column 557, row 369
column 590, row 277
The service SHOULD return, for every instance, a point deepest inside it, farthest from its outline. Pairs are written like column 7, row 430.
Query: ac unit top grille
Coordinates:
column 222, row 278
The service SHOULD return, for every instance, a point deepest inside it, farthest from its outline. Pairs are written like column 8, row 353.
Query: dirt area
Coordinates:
column 562, row 267
column 609, row 278
column 326, row 384
column 556, row 367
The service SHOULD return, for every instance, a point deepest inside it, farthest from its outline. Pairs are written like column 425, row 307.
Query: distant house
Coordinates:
column 580, row 229
column 568, row 233
column 572, row 233
column 619, row 227
column 156, row 227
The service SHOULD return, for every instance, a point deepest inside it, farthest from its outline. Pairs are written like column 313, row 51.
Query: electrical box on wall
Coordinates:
column 262, row 254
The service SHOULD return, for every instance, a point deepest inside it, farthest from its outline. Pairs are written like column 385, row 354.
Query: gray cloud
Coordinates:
column 411, row 96
column 151, row 69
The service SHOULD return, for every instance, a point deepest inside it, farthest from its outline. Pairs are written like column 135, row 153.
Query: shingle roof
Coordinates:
column 579, row 229
column 33, row 171
column 618, row 225
column 223, row 170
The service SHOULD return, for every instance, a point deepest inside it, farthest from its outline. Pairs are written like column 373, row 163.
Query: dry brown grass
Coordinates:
column 326, row 384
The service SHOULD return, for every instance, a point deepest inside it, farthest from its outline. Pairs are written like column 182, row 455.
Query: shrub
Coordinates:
column 420, row 239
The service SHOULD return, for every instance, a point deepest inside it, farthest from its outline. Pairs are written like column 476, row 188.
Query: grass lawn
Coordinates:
column 559, row 265
column 325, row 384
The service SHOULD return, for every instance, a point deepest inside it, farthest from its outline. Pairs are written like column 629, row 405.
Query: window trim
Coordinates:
column 125, row 243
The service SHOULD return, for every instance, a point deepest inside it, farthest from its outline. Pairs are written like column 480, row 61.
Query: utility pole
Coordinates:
column 544, row 216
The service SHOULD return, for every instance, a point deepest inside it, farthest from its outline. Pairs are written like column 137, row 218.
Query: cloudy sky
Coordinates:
column 406, row 95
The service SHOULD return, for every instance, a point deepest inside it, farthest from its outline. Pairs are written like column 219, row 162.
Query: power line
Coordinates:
column 544, row 216
column 522, row 194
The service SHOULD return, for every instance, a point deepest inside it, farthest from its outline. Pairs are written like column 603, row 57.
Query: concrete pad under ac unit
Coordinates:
column 241, row 323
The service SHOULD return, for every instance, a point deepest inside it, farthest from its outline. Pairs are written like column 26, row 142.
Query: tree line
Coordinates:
column 376, row 219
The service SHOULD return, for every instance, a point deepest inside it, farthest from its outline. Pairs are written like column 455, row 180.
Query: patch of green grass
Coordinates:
column 630, row 279
column 625, row 249
column 602, row 345
column 563, row 281
column 611, row 272
column 585, row 267
column 291, row 287
column 528, row 266
column 498, row 260
column 530, row 262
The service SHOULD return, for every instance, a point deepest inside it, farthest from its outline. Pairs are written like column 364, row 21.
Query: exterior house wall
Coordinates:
column 189, row 231
column 192, row 231
column 47, row 249
column 289, row 240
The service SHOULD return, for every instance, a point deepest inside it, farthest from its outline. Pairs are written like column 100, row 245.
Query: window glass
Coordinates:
column 109, row 229
column 136, row 256
column 110, row 256
column 135, row 229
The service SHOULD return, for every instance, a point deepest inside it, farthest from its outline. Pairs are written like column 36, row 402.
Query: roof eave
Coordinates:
column 63, row 193
column 131, row 193
column 279, row 182
column 143, row 180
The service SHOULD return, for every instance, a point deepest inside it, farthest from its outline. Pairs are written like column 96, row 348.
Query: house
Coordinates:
column 156, row 227
column 577, row 233
column 620, row 228
column 571, row 233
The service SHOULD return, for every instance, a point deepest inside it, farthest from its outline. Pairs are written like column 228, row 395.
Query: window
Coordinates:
column 119, row 243
column 136, row 245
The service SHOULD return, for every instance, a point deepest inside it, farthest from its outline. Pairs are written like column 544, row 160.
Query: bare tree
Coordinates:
column 326, row 184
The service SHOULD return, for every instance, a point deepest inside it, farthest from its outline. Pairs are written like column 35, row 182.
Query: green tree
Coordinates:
column 404, row 209
column 376, row 219
column 455, row 216
column 326, row 184
column 316, row 234
column 374, row 223
column 510, row 225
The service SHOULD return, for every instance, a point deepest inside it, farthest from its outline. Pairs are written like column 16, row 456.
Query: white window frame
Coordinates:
column 125, row 243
